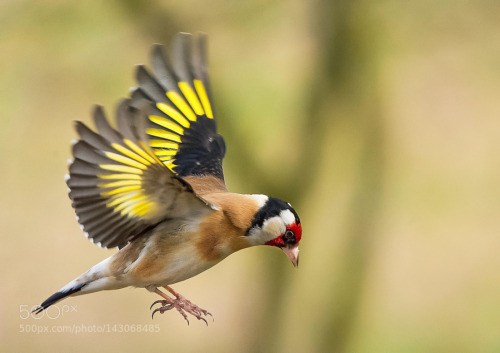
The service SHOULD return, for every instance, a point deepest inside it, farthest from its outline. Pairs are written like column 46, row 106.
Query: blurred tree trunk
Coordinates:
column 344, row 88
column 349, row 64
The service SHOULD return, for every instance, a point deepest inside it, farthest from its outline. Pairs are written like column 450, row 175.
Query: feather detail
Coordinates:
column 181, row 125
column 118, row 186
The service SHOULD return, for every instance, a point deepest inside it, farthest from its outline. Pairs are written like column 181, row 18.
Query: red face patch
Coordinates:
column 280, row 242
column 276, row 242
column 297, row 229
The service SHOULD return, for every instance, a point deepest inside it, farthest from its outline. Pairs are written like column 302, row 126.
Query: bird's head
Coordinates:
column 277, row 224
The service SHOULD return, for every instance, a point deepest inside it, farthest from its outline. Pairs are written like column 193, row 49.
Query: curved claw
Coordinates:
column 183, row 306
column 161, row 309
column 208, row 313
column 154, row 312
column 200, row 318
column 156, row 302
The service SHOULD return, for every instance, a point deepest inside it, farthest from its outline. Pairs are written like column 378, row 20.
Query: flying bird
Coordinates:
column 153, row 187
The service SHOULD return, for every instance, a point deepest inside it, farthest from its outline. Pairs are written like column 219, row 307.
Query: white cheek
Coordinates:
column 274, row 227
column 271, row 229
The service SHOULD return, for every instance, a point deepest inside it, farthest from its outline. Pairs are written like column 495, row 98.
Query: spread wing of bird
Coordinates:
column 181, row 122
column 119, row 187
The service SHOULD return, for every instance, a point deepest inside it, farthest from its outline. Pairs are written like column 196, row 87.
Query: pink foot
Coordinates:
column 180, row 303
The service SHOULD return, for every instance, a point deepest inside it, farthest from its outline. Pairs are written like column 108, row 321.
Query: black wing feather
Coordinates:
column 181, row 107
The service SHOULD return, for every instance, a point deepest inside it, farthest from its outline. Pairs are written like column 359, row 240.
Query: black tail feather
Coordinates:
column 54, row 298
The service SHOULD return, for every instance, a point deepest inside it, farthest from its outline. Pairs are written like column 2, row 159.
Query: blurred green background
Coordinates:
column 378, row 120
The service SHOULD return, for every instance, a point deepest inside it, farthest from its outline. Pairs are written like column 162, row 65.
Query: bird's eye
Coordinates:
column 289, row 236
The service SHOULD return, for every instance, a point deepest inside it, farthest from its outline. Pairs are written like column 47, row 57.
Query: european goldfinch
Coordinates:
column 154, row 187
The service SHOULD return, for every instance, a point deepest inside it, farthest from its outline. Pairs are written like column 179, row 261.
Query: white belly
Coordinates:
column 153, row 268
column 183, row 265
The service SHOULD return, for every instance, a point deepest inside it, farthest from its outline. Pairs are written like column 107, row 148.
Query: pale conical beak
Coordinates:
column 292, row 252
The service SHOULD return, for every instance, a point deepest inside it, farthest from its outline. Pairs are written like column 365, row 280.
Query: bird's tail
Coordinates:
column 58, row 296
column 91, row 281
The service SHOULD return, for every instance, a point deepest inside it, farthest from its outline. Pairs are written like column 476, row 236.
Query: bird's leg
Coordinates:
column 180, row 303
column 193, row 307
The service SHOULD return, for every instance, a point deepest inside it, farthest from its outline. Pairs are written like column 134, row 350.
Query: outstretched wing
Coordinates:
column 118, row 186
column 181, row 123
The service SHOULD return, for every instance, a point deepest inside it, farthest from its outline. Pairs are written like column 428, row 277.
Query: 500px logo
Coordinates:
column 53, row 312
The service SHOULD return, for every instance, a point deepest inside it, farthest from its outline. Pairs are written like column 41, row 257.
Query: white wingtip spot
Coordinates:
column 99, row 244
column 73, row 142
column 132, row 89
column 66, row 177
column 86, row 235
column 70, row 161
column 77, row 219
column 81, row 226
